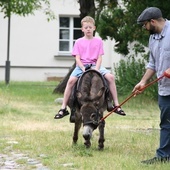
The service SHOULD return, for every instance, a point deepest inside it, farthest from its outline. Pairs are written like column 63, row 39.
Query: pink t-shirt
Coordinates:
column 88, row 50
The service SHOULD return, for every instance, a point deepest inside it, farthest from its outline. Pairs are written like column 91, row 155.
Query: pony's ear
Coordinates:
column 78, row 94
column 100, row 93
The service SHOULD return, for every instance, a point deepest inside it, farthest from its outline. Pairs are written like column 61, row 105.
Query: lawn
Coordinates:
column 31, row 139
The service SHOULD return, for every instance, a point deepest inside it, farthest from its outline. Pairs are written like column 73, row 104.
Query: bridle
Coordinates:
column 95, row 119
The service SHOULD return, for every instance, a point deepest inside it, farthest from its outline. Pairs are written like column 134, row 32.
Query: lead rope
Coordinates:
column 134, row 93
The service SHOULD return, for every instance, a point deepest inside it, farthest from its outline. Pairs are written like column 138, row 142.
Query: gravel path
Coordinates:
column 19, row 161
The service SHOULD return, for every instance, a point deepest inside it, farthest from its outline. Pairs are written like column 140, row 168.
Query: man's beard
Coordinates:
column 152, row 29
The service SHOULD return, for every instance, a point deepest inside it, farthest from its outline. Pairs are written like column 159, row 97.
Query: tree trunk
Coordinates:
column 86, row 8
column 62, row 85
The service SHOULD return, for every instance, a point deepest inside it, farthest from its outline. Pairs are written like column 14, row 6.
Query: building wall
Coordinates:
column 34, row 45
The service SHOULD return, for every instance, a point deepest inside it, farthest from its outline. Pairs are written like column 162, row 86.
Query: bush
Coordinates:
column 129, row 72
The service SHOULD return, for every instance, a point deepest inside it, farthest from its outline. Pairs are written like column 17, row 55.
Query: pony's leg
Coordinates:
column 77, row 126
column 101, row 135
column 87, row 143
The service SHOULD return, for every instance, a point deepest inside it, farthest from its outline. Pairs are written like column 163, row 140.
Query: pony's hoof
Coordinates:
column 100, row 148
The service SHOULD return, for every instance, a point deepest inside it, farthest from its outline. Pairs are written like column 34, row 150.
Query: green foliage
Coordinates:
column 129, row 72
column 118, row 21
column 25, row 7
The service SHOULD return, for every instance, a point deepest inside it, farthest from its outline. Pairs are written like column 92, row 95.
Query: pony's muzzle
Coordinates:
column 87, row 132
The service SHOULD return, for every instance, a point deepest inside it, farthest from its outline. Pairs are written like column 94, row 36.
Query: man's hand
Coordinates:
column 167, row 73
column 138, row 88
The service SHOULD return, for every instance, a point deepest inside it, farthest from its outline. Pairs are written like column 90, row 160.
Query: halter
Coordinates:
column 95, row 122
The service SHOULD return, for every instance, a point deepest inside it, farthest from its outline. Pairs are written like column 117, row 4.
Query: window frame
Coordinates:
column 71, row 29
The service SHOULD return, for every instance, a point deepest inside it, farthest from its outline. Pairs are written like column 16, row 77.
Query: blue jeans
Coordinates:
column 164, row 105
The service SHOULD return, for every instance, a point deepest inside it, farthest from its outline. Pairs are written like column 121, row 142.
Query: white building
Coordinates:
column 40, row 49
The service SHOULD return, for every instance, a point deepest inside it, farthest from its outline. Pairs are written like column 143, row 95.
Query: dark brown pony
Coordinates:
column 89, row 104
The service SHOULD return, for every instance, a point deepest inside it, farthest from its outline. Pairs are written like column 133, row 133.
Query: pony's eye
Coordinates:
column 96, row 103
column 93, row 115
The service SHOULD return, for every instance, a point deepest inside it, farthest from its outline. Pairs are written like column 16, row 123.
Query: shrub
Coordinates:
column 129, row 72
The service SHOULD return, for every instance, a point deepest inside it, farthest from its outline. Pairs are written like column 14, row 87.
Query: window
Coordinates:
column 69, row 31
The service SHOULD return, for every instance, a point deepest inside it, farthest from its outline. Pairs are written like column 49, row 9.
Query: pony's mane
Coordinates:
column 89, row 84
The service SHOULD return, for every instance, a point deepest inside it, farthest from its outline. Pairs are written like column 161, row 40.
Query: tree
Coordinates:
column 118, row 22
column 26, row 7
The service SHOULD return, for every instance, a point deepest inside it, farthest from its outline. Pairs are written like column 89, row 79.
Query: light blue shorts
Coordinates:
column 77, row 72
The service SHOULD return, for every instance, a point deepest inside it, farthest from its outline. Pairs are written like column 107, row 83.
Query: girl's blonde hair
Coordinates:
column 88, row 19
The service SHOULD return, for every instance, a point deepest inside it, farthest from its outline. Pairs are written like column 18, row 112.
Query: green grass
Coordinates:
column 27, row 126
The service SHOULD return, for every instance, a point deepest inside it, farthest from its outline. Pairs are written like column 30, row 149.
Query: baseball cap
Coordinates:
column 148, row 14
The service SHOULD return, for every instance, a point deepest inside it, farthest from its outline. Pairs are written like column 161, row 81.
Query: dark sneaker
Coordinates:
column 156, row 160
